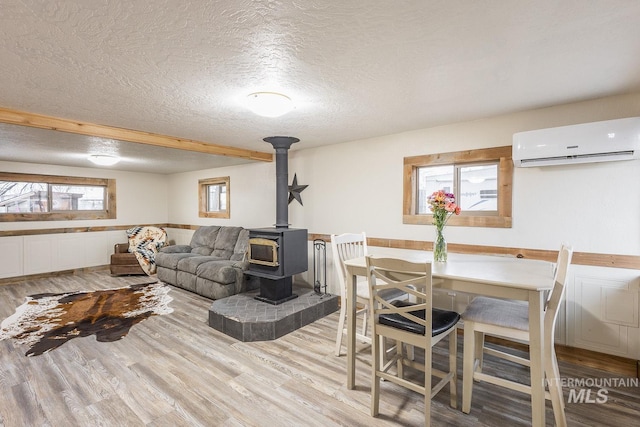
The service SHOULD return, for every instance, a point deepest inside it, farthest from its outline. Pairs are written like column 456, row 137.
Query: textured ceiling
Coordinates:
column 356, row 69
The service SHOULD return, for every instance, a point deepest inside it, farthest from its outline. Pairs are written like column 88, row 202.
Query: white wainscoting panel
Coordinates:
column 48, row 253
column 97, row 249
column 79, row 250
column 69, row 252
column 620, row 306
column 602, row 311
column 11, row 254
column 38, row 253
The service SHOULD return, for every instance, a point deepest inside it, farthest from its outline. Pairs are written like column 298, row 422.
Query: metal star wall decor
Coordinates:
column 295, row 189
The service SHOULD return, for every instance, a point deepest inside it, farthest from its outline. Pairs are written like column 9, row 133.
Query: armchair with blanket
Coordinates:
column 137, row 256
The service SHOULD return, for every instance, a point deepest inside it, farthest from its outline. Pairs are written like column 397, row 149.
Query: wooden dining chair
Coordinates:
column 415, row 324
column 510, row 320
column 345, row 247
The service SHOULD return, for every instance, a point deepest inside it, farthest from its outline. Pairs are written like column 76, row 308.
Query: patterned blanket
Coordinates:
column 145, row 242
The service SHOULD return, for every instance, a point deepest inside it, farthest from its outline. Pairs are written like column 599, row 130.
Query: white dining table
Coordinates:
column 495, row 276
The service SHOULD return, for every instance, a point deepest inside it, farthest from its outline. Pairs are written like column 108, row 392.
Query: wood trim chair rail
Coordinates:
column 579, row 258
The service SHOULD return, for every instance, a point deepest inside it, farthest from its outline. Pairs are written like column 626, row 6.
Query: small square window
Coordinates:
column 214, row 197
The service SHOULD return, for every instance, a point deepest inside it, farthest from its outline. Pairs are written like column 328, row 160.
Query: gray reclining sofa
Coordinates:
column 212, row 265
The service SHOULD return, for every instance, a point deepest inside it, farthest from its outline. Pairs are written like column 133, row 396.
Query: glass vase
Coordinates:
column 439, row 247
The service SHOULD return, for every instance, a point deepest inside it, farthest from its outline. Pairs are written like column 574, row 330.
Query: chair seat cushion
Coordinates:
column 192, row 263
column 441, row 320
column 492, row 311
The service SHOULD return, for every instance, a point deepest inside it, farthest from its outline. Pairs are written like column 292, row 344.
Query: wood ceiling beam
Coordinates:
column 45, row 122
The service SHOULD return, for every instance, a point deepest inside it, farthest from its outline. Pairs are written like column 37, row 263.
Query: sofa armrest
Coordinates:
column 176, row 249
column 121, row 248
column 220, row 271
column 242, row 265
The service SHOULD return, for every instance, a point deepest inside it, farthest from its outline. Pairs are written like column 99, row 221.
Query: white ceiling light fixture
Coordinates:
column 104, row 159
column 269, row 104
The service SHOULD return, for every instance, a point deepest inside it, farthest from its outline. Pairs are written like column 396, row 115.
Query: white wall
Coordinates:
column 252, row 196
column 357, row 186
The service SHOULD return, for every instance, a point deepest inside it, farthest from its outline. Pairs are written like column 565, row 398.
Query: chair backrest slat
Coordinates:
column 345, row 247
column 404, row 276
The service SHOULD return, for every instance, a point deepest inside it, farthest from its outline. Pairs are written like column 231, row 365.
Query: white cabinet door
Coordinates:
column 11, row 252
column 602, row 311
column 38, row 254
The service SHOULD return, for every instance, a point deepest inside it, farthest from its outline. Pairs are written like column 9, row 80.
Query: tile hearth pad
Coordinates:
column 246, row 319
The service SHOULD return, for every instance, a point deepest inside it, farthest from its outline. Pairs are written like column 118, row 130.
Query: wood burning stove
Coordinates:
column 276, row 254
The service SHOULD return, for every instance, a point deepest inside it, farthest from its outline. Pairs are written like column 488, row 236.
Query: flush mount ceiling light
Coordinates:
column 269, row 104
column 104, row 159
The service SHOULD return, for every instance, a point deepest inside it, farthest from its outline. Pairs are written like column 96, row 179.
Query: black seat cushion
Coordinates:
column 441, row 321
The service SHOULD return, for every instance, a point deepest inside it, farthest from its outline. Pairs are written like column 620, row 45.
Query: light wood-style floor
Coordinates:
column 174, row 370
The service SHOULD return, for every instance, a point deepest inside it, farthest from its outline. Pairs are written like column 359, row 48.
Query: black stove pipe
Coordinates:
column 282, row 145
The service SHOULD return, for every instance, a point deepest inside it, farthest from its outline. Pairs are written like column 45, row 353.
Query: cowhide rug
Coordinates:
column 46, row 321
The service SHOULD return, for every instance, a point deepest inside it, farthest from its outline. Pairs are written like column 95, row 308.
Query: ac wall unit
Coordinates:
column 604, row 141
